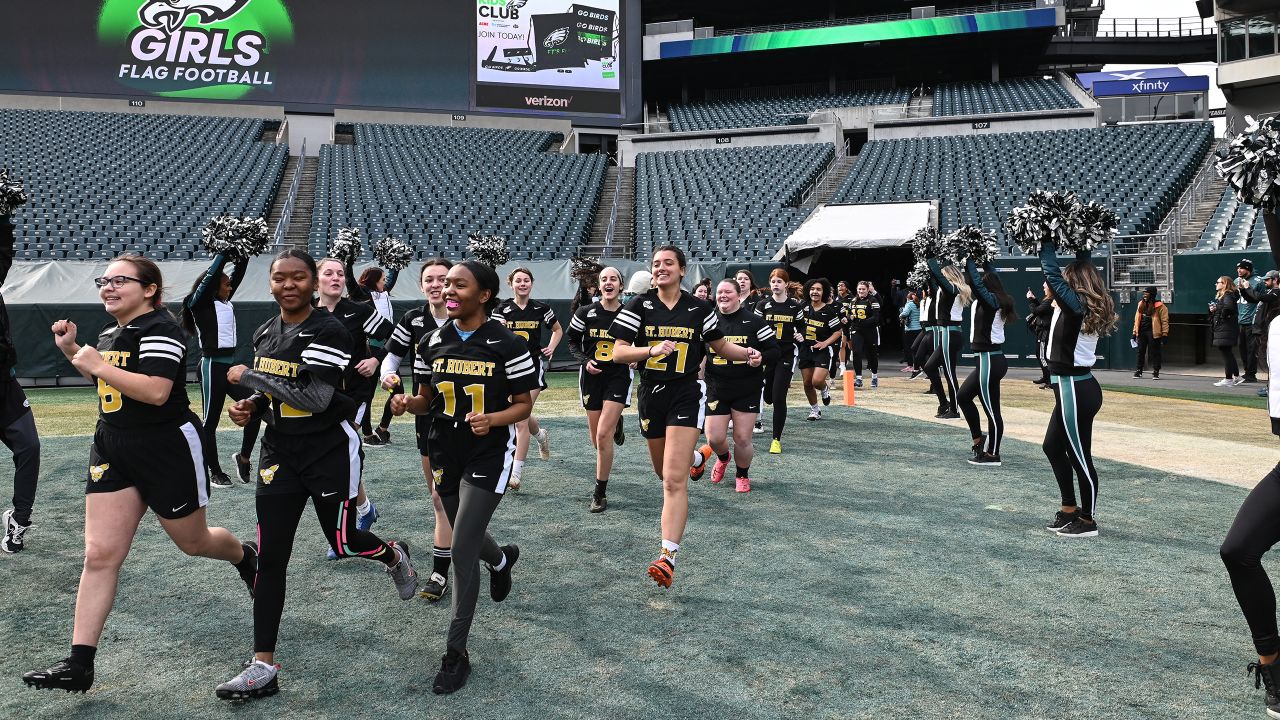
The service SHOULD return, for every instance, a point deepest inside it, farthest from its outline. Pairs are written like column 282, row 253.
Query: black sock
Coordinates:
column 742, row 472
column 82, row 655
column 442, row 558
column 724, row 457
column 246, row 562
column 601, row 486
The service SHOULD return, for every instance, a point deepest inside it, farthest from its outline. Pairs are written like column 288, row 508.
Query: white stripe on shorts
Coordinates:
column 355, row 462
column 192, row 436
column 508, row 460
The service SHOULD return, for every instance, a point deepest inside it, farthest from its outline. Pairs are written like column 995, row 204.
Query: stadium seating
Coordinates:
column 738, row 203
column 1005, row 96
column 1138, row 171
column 768, row 112
column 105, row 183
column 434, row 186
column 1233, row 226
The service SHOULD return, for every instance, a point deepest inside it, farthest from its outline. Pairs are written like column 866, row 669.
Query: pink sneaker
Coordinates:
column 744, row 485
column 717, row 472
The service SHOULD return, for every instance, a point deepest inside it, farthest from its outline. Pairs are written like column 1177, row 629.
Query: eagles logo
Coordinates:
column 97, row 471
column 556, row 38
column 437, row 475
column 268, row 474
column 169, row 15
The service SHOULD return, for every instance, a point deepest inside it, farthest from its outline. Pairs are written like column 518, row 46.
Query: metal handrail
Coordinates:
column 282, row 223
column 1147, row 27
column 613, row 216
column 995, row 6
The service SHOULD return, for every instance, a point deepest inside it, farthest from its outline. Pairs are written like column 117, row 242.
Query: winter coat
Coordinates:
column 1226, row 328
column 1159, row 319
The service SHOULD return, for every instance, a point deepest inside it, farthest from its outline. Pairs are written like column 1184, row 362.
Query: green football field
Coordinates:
column 872, row 573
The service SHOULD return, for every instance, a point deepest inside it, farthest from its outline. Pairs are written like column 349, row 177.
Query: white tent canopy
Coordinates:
column 858, row 227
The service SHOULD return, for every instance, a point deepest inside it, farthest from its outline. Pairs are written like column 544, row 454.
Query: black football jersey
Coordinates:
column 363, row 323
column 864, row 313
column 527, row 323
column 782, row 316
column 151, row 344
column 589, row 332
column 408, row 333
column 319, row 347
column 646, row 321
column 476, row 375
column 817, row 325
column 743, row 328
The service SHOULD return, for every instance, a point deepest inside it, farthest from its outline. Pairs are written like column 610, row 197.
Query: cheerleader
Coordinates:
column 820, row 328
column 373, row 288
column 603, row 385
column 475, row 382
column 310, row 450
column 1083, row 311
column 207, row 313
column 733, row 388
column 992, row 309
column 526, row 318
column 146, row 453
column 403, row 343
column 950, row 296
column 668, row 330
column 782, row 312
column 1255, row 530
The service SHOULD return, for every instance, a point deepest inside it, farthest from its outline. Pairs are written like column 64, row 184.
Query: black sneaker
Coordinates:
column 455, row 668
column 1079, row 528
column 1268, row 675
column 598, row 503
column 950, row 414
column 434, row 588
column 619, row 435
column 915, row 374
column 942, row 410
column 249, row 574
column 976, row 450
column 242, row 467
column 383, row 435
column 1137, row 373
column 500, row 580
column 219, row 480
column 64, row 675
column 1061, row 520
column 373, row 441
column 986, row 460
column 1248, row 379
column 1155, row 375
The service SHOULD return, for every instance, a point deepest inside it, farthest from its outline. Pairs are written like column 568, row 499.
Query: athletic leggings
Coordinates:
column 909, row 338
column 469, row 511
column 946, row 353
column 385, row 422
column 21, row 439
column 777, row 383
column 864, row 344
column 1068, row 441
column 984, row 383
column 1254, row 532
column 278, row 517
column 214, row 390
column 1232, row 368
column 922, row 348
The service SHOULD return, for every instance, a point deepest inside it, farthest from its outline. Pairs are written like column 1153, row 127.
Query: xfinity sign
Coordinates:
column 1150, row 86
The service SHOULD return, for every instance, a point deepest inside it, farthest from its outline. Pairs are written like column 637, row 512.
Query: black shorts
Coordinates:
column 868, row 336
column 742, row 395
column 422, row 428
column 324, row 464
column 682, row 404
column 458, row 455
column 540, row 363
column 825, row 359
column 614, row 384
column 165, row 463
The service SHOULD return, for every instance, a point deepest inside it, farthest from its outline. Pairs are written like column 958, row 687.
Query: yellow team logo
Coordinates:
column 586, row 399
column 712, row 405
column 97, row 471
column 644, row 424
column 437, row 475
column 268, row 474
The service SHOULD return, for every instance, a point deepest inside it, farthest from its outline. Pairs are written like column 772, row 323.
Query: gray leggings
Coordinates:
column 21, row 439
column 469, row 511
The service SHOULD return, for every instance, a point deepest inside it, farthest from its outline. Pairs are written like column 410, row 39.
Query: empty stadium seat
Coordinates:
column 1005, row 96
column 768, row 112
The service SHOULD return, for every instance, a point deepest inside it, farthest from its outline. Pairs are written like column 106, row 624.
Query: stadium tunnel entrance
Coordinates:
column 881, row 266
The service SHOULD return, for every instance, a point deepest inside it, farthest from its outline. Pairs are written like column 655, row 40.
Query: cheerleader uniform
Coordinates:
column 949, row 316
column 670, row 392
column 986, row 339
column 589, row 340
column 215, row 323
column 527, row 324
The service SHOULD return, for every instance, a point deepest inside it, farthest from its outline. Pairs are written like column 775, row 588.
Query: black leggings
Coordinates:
column 945, row 356
column 385, row 422
column 214, row 391
column 777, row 383
column 278, row 517
column 1254, row 532
column 1068, row 441
column 22, row 440
column 909, row 338
column 864, row 343
column 984, row 382
column 1229, row 360
column 922, row 348
column 250, row 436
column 469, row 511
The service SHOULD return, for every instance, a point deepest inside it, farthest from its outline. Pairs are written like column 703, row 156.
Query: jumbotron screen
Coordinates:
column 527, row 56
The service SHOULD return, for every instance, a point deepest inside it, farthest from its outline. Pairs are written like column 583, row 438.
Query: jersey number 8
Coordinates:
column 659, row 364
column 475, row 392
column 109, row 398
column 604, row 350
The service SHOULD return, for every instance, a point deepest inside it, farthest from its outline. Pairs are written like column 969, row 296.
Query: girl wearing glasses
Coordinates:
column 144, row 423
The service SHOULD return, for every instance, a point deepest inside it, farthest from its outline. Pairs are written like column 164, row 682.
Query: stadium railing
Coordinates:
column 282, row 222
column 1147, row 27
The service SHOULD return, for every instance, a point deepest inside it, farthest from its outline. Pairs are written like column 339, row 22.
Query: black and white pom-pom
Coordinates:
column 346, row 246
column 927, row 243
column 584, row 269
column 237, row 239
column 1251, row 163
column 1047, row 216
column 219, row 234
column 1095, row 225
column 490, row 250
column 393, row 253
column 970, row 242
column 12, row 194
column 918, row 278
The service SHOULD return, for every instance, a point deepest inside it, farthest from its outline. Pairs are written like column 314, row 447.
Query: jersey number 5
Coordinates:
column 109, row 398
column 475, row 392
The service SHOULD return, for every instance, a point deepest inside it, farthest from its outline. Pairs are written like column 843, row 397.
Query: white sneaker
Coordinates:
column 815, row 414
column 12, row 541
column 1237, row 381
column 544, row 444
column 758, row 429
column 1222, row 383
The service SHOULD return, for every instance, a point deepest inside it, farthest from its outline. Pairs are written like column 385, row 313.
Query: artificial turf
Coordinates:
column 871, row 573
column 1250, row 400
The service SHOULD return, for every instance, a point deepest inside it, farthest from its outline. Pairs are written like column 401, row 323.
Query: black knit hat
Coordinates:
column 1246, row 263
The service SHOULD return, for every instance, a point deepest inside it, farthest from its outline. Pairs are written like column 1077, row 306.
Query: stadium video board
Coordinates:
column 528, row 56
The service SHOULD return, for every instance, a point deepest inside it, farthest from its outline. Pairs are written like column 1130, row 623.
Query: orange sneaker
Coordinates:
column 717, row 472
column 696, row 472
column 744, row 485
column 662, row 572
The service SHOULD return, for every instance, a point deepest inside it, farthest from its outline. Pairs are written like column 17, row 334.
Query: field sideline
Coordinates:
column 887, row 580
